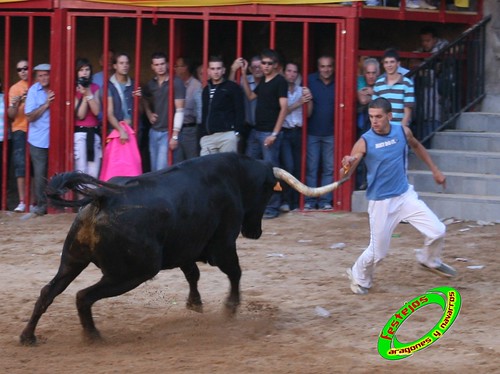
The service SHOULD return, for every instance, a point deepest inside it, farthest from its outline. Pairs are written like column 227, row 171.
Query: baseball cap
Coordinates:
column 44, row 67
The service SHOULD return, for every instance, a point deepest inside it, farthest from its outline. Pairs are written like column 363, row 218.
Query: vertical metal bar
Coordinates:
column 137, row 71
column 171, row 96
column 239, row 46
column 5, row 119
column 339, row 106
column 272, row 34
column 305, row 70
column 206, row 38
column 104, row 98
column 31, row 64
column 70, row 91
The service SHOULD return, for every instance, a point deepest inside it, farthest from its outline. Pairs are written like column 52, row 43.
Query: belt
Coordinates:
column 86, row 128
column 292, row 128
column 188, row 124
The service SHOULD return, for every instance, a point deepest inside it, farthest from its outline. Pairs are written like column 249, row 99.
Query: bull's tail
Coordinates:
column 78, row 182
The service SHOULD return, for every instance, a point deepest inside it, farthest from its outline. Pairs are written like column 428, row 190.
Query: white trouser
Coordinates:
column 384, row 216
column 80, row 148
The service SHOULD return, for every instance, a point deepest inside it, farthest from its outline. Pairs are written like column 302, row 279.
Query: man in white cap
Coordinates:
column 37, row 111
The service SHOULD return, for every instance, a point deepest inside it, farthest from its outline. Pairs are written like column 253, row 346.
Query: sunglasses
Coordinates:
column 267, row 62
column 24, row 68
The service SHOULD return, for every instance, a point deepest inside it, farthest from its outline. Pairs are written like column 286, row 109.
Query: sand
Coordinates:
column 287, row 274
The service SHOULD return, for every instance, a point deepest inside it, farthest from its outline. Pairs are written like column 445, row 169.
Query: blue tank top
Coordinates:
column 385, row 160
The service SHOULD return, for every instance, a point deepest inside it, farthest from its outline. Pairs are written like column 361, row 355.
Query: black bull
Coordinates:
column 137, row 226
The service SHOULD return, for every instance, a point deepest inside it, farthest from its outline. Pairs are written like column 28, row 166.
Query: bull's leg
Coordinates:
column 229, row 265
column 192, row 274
column 106, row 287
column 65, row 275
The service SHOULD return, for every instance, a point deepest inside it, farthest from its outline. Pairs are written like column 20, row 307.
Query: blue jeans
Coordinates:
column 39, row 159
column 319, row 153
column 258, row 150
column 158, row 149
column 19, row 153
column 290, row 152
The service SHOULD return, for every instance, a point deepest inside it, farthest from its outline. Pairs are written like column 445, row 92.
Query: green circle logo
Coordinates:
column 390, row 348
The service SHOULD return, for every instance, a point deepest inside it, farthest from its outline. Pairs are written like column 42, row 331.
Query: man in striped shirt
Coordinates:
column 396, row 88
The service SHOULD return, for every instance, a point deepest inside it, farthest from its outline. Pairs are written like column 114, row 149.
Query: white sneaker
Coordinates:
column 20, row 208
column 425, row 5
column 285, row 208
column 443, row 270
column 413, row 4
column 355, row 288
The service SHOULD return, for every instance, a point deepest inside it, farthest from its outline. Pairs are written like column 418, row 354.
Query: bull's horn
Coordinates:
column 302, row 188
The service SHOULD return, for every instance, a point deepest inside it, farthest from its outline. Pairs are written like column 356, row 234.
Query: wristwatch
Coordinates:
column 275, row 134
column 175, row 137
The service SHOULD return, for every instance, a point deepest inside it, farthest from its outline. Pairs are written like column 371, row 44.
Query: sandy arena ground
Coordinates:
column 289, row 272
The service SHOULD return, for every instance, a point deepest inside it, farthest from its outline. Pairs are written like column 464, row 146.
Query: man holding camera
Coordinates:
column 87, row 140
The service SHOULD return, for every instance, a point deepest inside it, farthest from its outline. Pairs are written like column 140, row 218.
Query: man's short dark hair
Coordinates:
column 216, row 58
column 293, row 63
column 391, row 53
column 429, row 30
column 270, row 53
column 381, row 103
column 157, row 55
column 120, row 54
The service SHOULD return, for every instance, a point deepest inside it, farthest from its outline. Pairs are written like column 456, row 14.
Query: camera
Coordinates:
column 83, row 81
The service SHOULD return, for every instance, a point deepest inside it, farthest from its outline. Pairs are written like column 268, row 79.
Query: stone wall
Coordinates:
column 492, row 101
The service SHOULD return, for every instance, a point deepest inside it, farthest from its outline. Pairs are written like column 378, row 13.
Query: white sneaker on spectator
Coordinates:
column 285, row 208
column 413, row 4
column 425, row 5
column 20, row 208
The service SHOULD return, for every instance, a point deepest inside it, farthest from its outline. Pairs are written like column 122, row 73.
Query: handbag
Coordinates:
column 119, row 159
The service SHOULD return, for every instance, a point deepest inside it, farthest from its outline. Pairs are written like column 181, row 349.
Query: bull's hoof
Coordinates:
column 231, row 308
column 27, row 339
column 196, row 307
column 92, row 336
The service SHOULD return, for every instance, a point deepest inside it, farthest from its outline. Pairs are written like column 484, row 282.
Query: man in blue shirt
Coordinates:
column 391, row 198
column 396, row 88
column 320, row 126
column 37, row 110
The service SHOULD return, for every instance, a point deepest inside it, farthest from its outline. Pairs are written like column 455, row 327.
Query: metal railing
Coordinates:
column 450, row 82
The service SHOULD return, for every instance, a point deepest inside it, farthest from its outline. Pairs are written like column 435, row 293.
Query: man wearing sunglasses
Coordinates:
column 15, row 112
column 272, row 106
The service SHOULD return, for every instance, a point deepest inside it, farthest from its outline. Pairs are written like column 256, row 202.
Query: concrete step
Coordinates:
column 457, row 183
column 459, row 161
column 479, row 121
column 467, row 207
column 467, row 141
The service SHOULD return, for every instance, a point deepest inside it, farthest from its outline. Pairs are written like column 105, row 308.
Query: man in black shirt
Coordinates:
column 272, row 103
column 223, row 111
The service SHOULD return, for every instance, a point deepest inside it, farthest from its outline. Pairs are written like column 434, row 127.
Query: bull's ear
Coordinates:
column 277, row 187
